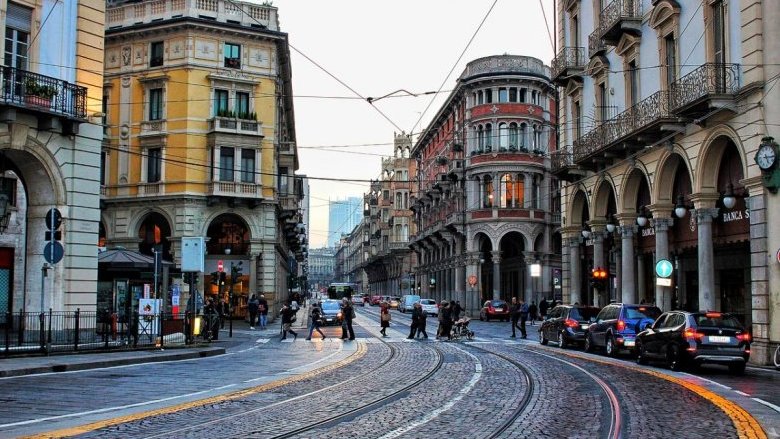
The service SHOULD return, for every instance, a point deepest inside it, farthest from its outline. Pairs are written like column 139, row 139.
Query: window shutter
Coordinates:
column 19, row 17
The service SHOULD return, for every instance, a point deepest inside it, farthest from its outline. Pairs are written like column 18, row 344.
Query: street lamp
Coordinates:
column 729, row 200
column 680, row 209
column 642, row 219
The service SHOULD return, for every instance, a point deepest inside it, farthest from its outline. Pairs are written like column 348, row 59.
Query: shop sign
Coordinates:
column 648, row 231
column 736, row 215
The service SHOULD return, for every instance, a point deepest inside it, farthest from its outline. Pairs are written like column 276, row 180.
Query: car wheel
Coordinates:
column 588, row 343
column 609, row 346
column 737, row 368
column 542, row 339
column 561, row 341
column 673, row 358
column 640, row 354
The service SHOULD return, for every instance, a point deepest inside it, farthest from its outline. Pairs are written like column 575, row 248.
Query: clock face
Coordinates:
column 766, row 157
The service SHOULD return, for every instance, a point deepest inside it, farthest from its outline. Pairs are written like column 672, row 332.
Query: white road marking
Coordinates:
column 451, row 403
column 723, row 386
column 262, row 340
column 742, row 393
column 759, row 400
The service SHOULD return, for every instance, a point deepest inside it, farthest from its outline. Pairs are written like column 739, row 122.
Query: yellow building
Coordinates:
column 200, row 142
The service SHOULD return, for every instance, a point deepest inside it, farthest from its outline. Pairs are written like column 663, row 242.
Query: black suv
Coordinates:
column 688, row 339
column 567, row 324
column 617, row 325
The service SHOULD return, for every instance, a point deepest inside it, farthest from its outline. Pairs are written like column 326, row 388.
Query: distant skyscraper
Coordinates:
column 343, row 216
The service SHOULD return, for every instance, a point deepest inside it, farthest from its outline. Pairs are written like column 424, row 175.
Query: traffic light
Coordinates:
column 222, row 277
column 235, row 271
column 599, row 277
column 215, row 278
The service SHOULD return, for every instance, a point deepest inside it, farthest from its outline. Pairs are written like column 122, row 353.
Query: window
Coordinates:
column 232, row 56
column 480, row 98
column 156, row 54
column 226, row 163
column 575, row 31
column 488, row 135
column 503, row 135
column 103, row 167
column 523, row 134
column 480, row 138
column 503, row 95
column 17, row 36
column 523, row 93
column 513, row 135
column 153, row 165
column 283, row 180
column 242, row 105
column 671, row 60
column 488, row 96
column 537, row 138
column 104, row 119
column 220, row 102
column 398, row 200
column 156, row 104
column 718, row 32
column 633, row 83
column 577, row 119
column 488, row 191
column 513, row 94
column 247, row 165
column 602, row 102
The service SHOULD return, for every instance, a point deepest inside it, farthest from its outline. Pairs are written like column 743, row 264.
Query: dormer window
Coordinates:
column 232, row 56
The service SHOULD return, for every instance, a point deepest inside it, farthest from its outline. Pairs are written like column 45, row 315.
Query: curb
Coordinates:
column 87, row 363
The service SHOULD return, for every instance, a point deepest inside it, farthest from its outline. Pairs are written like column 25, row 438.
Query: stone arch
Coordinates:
column 668, row 165
column 578, row 208
column 705, row 180
column 479, row 240
column 630, row 191
column 604, row 189
column 514, row 242
column 228, row 233
column 539, row 243
column 154, row 229
column 664, row 11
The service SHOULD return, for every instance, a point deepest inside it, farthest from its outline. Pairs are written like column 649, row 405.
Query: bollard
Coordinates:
column 77, row 325
column 42, row 331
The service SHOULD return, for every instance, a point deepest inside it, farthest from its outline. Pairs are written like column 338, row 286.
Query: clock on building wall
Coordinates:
column 766, row 158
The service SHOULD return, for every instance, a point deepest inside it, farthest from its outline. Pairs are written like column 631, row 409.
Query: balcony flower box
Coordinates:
column 37, row 94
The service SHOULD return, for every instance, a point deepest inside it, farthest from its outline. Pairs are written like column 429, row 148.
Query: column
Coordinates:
column 496, row 254
column 575, row 264
column 460, row 272
column 597, row 238
column 704, row 218
column 527, row 190
column 663, row 297
column 628, row 281
column 640, row 276
column 473, row 297
column 530, row 282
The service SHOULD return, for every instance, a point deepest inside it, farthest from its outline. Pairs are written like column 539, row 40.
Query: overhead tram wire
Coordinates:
column 547, row 25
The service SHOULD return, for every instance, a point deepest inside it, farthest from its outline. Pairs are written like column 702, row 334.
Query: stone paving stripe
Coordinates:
column 73, row 431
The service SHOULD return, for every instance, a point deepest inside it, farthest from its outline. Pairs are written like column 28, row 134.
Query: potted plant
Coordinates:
column 38, row 94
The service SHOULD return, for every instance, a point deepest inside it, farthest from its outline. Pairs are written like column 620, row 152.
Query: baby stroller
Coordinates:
column 460, row 329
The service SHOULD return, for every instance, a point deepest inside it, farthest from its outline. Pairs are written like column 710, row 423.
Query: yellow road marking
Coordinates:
column 747, row 426
column 73, row 431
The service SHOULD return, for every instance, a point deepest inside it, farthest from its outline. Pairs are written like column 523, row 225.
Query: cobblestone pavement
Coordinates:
column 381, row 387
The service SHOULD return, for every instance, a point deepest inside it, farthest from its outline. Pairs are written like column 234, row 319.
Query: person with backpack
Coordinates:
column 262, row 309
column 253, row 307
column 316, row 320
column 347, row 313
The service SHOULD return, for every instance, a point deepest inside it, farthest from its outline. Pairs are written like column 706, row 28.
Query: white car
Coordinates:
column 430, row 307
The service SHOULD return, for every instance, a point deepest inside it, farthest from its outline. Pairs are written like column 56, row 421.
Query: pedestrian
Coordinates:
column 514, row 309
column 456, row 311
column 347, row 314
column 532, row 312
column 316, row 320
column 252, row 307
column 262, row 309
column 543, row 308
column 415, row 322
column 445, row 324
column 384, row 318
column 212, row 320
column 287, row 314
column 420, row 320
column 523, row 318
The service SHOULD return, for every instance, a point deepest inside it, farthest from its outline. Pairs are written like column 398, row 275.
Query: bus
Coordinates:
column 340, row 290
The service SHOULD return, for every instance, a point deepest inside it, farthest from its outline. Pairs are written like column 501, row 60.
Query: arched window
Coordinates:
column 503, row 135
column 513, row 135
column 406, row 153
column 398, row 201
column 406, row 200
column 154, row 233
column 480, row 138
column 487, row 191
column 488, row 135
column 507, row 191
column 523, row 134
column 480, row 98
column 397, row 232
column 227, row 235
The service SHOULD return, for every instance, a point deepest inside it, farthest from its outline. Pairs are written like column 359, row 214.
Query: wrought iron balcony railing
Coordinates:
column 44, row 93
column 595, row 45
column 705, row 81
column 617, row 16
column 560, row 160
column 569, row 58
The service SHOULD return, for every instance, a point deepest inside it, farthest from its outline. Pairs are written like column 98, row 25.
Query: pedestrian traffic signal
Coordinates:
column 235, row 271
column 222, row 278
column 598, row 277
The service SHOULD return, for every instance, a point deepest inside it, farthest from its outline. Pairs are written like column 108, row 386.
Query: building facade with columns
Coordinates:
column 664, row 105
column 485, row 203
column 50, row 154
column 200, row 141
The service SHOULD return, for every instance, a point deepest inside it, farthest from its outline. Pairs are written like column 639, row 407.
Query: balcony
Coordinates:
column 401, row 245
column 619, row 17
column 44, row 95
column 595, row 45
column 710, row 86
column 153, row 128
column 568, row 64
column 223, row 11
column 232, row 125
column 235, row 189
column 150, row 189
column 640, row 126
column 562, row 165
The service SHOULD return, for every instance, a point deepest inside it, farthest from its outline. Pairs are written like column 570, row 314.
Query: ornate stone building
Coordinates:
column 484, row 202
column 664, row 105
column 200, row 139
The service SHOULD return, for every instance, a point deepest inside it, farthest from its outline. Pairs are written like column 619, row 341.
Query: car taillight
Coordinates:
column 621, row 325
column 571, row 323
column 743, row 337
column 692, row 333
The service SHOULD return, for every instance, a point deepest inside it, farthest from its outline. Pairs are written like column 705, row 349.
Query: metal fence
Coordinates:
column 73, row 331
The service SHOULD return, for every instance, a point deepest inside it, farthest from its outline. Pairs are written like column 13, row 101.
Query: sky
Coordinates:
column 344, row 51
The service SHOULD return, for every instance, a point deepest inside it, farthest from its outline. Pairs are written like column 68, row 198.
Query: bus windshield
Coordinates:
column 338, row 291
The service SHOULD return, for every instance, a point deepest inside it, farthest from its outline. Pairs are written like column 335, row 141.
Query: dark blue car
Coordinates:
column 617, row 325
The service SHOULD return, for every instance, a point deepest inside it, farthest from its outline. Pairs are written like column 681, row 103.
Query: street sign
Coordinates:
column 472, row 280
column 53, row 219
column 663, row 268
column 220, row 266
column 53, row 252
column 663, row 281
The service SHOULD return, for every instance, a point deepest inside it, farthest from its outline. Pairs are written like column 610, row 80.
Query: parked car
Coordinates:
column 331, row 312
column 617, row 325
column 430, row 307
column 567, row 324
column 407, row 302
column 494, row 309
column 394, row 302
column 358, row 300
column 682, row 339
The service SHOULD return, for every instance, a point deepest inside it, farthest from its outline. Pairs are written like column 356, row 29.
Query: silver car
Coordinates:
column 429, row 307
